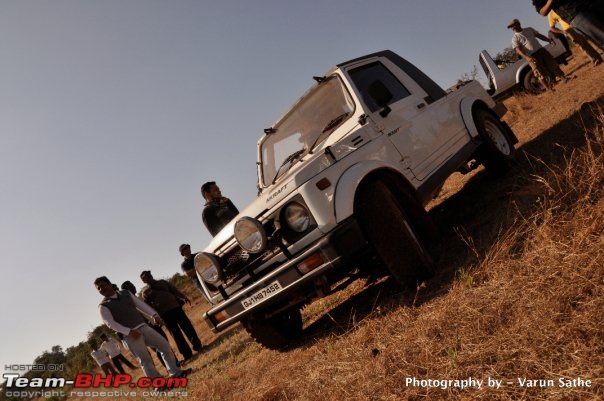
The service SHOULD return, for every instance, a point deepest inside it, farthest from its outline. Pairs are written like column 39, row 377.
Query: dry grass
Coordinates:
column 520, row 293
column 530, row 306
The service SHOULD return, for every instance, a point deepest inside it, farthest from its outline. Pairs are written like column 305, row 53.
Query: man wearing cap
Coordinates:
column 123, row 313
column 585, row 15
column 544, row 66
column 168, row 301
column 188, row 265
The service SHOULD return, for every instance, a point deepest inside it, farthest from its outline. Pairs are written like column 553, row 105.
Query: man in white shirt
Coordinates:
column 544, row 66
column 112, row 347
column 121, row 312
column 101, row 358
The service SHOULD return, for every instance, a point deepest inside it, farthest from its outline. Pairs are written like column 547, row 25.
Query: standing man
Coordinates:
column 585, row 15
column 576, row 36
column 127, row 285
column 112, row 348
column 188, row 265
column 218, row 210
column 168, row 301
column 121, row 312
column 542, row 63
column 101, row 358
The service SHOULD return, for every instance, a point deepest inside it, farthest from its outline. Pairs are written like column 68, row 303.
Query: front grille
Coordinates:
column 234, row 256
column 237, row 260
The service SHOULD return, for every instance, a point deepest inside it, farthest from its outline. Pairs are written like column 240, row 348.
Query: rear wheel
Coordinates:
column 392, row 234
column 277, row 331
column 532, row 84
column 497, row 150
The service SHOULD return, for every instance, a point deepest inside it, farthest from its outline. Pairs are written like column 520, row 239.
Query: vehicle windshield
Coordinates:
column 309, row 122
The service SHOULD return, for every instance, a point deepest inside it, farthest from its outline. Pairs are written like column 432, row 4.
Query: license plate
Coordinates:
column 261, row 295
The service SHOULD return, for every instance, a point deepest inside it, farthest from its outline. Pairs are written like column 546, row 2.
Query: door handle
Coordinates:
column 421, row 106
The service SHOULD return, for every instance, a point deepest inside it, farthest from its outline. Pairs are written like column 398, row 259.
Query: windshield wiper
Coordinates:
column 329, row 128
column 334, row 123
column 289, row 160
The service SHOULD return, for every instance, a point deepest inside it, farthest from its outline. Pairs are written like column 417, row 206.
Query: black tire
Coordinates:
column 532, row 84
column 393, row 235
column 497, row 151
column 277, row 331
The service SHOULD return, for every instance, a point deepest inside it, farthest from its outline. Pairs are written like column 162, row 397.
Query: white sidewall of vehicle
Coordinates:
column 467, row 106
column 348, row 184
column 521, row 73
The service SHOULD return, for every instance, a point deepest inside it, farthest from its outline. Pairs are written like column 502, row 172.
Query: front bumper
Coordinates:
column 337, row 249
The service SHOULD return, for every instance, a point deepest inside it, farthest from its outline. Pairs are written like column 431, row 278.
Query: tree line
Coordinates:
column 73, row 360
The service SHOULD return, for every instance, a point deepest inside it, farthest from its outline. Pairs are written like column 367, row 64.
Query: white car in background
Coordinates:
column 505, row 78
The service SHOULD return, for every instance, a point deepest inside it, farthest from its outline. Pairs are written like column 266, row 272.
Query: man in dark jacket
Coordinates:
column 218, row 210
column 168, row 301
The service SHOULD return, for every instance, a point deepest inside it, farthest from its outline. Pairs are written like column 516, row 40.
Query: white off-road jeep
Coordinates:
column 346, row 173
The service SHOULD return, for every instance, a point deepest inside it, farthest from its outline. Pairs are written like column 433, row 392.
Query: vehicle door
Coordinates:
column 424, row 135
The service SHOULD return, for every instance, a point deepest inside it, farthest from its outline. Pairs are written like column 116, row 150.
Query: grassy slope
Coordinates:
column 519, row 293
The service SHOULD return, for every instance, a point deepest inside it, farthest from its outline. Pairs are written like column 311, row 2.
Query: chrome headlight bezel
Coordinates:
column 250, row 235
column 208, row 268
column 296, row 217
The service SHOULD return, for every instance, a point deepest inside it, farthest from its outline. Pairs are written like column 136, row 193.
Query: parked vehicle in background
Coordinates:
column 504, row 78
column 343, row 175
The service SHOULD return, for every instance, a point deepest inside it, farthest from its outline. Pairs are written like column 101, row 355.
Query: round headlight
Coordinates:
column 250, row 235
column 297, row 217
column 208, row 268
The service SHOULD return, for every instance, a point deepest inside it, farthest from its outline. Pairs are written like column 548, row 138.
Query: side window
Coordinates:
column 374, row 77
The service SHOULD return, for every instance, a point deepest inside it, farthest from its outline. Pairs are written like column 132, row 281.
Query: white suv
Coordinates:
column 345, row 173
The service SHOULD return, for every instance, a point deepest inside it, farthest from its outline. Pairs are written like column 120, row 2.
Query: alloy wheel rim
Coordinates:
column 498, row 138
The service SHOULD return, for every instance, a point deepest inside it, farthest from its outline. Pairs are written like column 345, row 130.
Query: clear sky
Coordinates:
column 114, row 112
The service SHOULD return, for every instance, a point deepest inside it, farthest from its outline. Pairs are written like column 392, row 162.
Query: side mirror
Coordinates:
column 381, row 96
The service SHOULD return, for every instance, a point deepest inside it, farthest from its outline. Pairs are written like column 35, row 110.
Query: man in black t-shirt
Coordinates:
column 218, row 210
column 167, row 300
column 188, row 265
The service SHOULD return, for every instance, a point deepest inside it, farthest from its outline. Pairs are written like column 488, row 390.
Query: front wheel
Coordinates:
column 497, row 151
column 277, row 331
column 391, row 233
